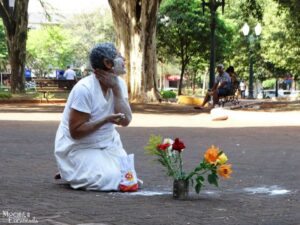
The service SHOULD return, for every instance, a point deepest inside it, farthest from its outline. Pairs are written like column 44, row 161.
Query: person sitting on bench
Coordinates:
column 221, row 87
column 235, row 83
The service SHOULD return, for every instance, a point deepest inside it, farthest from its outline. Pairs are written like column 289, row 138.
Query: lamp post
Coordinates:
column 213, row 5
column 251, row 38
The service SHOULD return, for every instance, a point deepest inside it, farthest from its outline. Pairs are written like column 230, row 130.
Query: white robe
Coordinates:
column 92, row 162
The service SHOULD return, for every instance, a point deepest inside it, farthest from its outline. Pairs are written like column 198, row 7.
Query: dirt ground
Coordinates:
column 262, row 146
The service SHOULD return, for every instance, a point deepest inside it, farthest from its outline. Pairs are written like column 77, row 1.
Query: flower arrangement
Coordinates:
column 169, row 154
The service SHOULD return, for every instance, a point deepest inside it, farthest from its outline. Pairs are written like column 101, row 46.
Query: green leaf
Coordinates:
column 151, row 147
column 200, row 179
column 198, row 187
column 213, row 179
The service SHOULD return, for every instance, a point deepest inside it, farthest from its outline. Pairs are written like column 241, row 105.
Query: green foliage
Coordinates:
column 166, row 158
column 252, row 8
column 293, row 7
column 182, row 33
column 277, row 45
column 269, row 84
column 55, row 47
column 152, row 144
column 5, row 95
column 197, row 175
column 49, row 47
column 280, row 44
column 213, row 178
column 182, row 30
column 88, row 29
column 168, row 94
column 3, row 48
column 171, row 159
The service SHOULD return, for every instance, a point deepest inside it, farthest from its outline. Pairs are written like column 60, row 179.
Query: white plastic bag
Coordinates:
column 218, row 114
column 129, row 181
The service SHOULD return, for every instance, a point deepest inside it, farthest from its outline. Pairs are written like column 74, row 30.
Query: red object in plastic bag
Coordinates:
column 129, row 182
column 133, row 188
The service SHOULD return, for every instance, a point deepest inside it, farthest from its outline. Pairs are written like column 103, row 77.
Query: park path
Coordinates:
column 162, row 116
column 263, row 190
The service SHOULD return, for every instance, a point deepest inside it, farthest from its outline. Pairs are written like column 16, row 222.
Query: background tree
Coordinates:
column 135, row 25
column 182, row 32
column 290, row 9
column 48, row 48
column 3, row 48
column 15, row 20
column 293, row 7
column 238, row 48
column 198, row 71
column 88, row 29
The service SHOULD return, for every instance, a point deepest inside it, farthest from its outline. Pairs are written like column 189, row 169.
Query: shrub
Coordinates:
column 269, row 84
column 5, row 95
column 168, row 94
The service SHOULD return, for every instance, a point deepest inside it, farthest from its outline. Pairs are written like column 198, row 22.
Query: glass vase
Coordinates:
column 180, row 189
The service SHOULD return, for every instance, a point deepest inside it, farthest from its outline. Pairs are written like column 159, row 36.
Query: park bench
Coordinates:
column 231, row 98
column 47, row 86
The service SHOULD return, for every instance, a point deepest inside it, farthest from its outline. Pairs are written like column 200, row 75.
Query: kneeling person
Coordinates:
column 87, row 145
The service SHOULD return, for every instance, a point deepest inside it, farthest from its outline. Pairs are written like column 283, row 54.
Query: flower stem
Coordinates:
column 180, row 164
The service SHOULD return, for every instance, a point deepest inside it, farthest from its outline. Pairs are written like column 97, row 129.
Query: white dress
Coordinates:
column 92, row 162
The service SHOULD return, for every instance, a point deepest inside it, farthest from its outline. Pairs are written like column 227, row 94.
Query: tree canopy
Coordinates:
column 275, row 52
column 182, row 31
column 50, row 47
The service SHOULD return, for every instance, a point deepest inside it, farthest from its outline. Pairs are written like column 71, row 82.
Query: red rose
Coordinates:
column 163, row 147
column 178, row 145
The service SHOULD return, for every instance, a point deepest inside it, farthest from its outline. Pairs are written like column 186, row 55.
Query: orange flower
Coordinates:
column 225, row 170
column 211, row 154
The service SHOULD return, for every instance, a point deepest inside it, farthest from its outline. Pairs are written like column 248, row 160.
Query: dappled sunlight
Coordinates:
column 235, row 119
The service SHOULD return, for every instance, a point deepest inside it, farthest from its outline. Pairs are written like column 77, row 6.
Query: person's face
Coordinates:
column 119, row 65
column 220, row 70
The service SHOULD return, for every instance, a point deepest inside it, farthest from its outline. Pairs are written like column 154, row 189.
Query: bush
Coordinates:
column 269, row 84
column 5, row 95
column 168, row 94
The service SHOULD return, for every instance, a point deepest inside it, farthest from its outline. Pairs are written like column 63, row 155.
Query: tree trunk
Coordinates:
column 194, row 82
column 204, row 82
column 183, row 65
column 16, row 21
column 135, row 24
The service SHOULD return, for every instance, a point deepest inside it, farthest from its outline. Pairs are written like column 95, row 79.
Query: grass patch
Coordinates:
column 5, row 95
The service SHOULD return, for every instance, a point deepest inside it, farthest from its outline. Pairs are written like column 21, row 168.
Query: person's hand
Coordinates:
column 115, row 118
column 106, row 78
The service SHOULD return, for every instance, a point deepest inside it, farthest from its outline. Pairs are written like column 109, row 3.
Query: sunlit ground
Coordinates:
column 260, row 115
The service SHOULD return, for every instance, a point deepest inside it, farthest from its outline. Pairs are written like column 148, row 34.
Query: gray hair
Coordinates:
column 100, row 52
column 220, row 66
